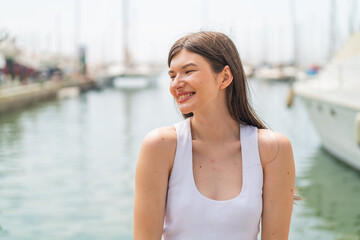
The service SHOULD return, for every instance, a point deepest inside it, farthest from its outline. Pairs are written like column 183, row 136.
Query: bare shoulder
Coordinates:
column 151, row 181
column 278, row 185
column 159, row 147
column 273, row 145
column 160, row 138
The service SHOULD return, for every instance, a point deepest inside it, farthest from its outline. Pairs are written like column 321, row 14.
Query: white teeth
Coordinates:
column 184, row 96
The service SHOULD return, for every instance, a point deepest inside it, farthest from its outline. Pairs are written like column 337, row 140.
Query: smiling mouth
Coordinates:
column 185, row 97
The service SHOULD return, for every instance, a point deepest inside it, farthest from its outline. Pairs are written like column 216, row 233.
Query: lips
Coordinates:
column 184, row 96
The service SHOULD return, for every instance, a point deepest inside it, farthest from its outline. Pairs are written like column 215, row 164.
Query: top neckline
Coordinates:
column 243, row 185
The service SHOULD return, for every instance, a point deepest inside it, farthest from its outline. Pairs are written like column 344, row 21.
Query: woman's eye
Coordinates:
column 189, row 71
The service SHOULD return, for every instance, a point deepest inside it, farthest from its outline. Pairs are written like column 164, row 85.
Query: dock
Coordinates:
column 25, row 95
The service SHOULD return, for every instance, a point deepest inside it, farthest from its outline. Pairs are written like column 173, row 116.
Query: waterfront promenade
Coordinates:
column 20, row 96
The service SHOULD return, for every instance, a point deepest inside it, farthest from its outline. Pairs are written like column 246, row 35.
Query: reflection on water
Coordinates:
column 64, row 176
column 333, row 194
column 67, row 167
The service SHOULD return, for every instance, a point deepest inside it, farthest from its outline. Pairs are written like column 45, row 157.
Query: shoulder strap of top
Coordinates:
column 182, row 132
column 249, row 145
column 183, row 151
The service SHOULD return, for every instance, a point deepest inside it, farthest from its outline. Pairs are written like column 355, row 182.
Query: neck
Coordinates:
column 215, row 126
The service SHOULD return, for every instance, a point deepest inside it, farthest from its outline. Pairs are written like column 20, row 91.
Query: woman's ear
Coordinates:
column 226, row 77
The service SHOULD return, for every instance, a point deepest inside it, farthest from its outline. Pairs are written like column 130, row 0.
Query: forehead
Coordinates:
column 184, row 57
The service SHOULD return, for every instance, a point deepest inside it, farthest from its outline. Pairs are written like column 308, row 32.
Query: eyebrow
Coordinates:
column 185, row 66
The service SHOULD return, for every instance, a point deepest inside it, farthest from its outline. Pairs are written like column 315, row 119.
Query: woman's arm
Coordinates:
column 278, row 189
column 151, row 180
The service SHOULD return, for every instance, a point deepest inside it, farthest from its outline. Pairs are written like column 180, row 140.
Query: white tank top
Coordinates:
column 190, row 215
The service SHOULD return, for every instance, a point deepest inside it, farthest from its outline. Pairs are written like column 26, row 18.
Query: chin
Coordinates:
column 185, row 111
column 188, row 114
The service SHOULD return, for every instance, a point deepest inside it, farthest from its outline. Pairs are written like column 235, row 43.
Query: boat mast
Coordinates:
column 77, row 33
column 265, row 40
column 332, row 39
column 58, row 34
column 127, row 57
column 295, row 33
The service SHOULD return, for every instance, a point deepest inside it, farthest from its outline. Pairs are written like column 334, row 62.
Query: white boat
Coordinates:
column 276, row 73
column 132, row 82
column 333, row 102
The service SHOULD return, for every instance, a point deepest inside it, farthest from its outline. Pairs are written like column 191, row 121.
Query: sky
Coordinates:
column 263, row 30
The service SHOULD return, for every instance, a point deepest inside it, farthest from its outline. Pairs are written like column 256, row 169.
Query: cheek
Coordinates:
column 172, row 90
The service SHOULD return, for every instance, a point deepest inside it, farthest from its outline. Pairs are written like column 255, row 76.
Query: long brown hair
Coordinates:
column 219, row 50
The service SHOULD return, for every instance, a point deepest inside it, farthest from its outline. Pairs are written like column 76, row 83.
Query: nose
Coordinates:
column 177, row 82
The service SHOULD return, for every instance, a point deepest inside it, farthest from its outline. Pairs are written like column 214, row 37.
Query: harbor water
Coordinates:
column 67, row 166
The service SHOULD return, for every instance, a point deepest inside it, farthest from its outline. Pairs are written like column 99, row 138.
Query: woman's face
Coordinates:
column 194, row 85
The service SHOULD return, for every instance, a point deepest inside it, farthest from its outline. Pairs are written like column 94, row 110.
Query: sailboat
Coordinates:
column 333, row 102
column 133, row 76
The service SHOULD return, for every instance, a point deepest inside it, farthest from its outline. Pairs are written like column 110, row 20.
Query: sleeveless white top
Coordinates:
column 190, row 215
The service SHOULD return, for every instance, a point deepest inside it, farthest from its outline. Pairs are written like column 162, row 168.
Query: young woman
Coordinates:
column 220, row 172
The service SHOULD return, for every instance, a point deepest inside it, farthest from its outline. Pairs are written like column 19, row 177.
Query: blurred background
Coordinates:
column 83, row 81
